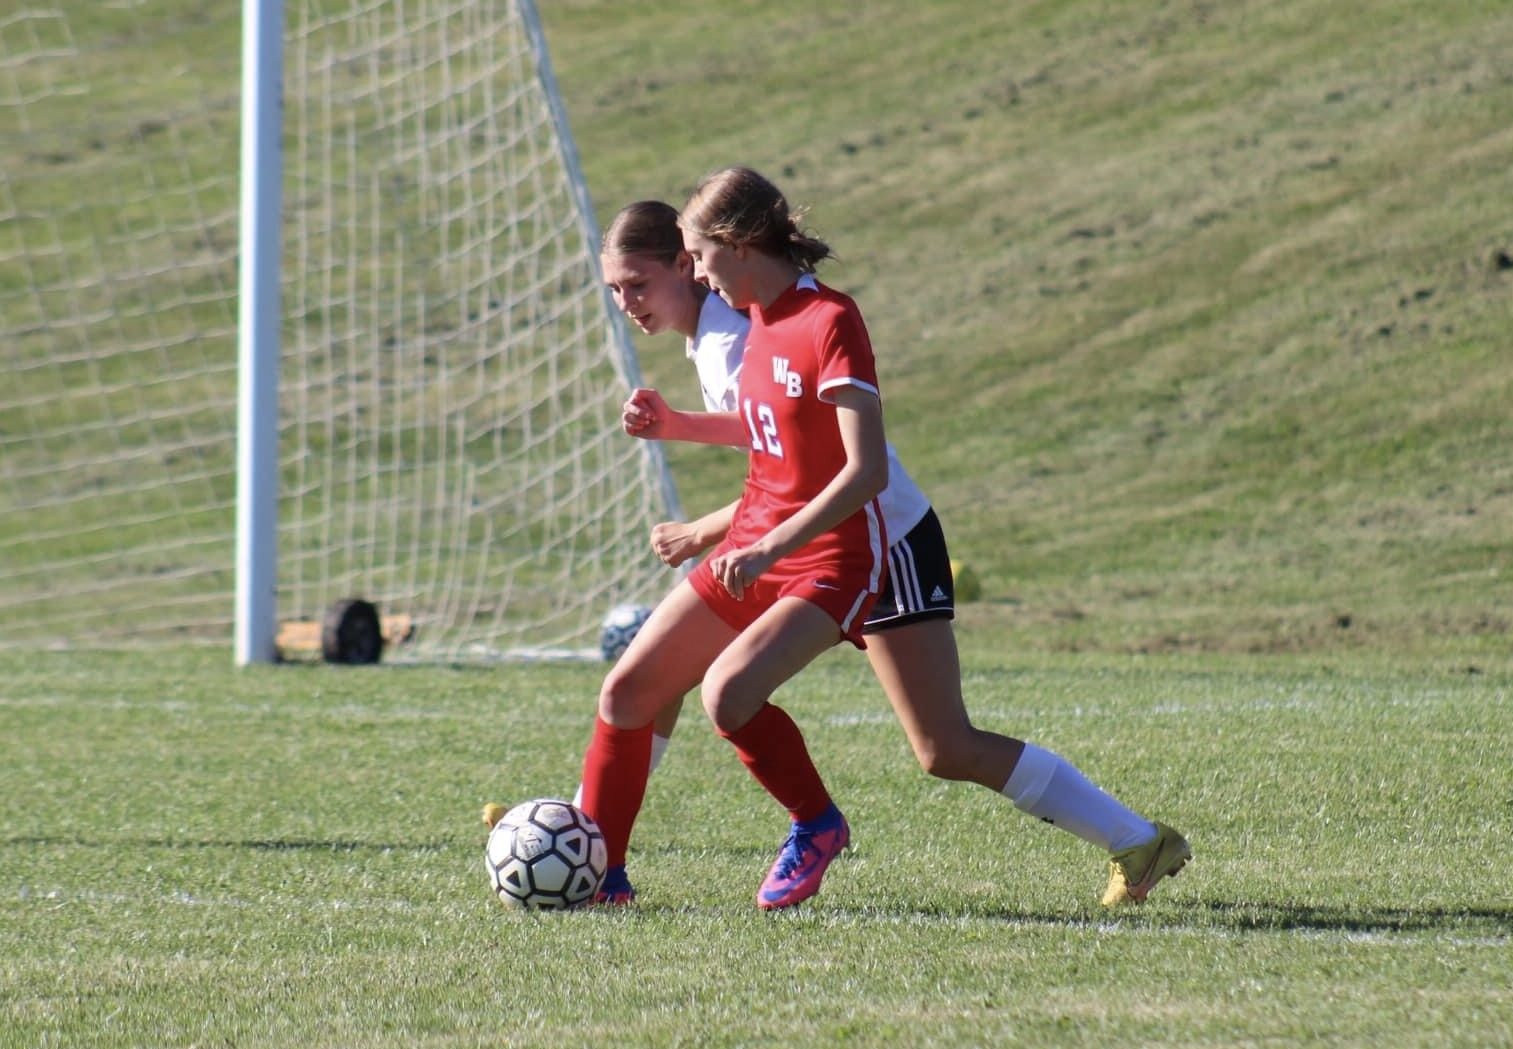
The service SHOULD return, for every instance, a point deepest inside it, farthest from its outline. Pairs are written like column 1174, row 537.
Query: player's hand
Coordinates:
column 675, row 542
column 644, row 413
column 738, row 569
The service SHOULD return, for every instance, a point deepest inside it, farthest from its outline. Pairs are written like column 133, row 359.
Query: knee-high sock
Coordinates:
column 659, row 745
column 614, row 782
column 1049, row 787
column 772, row 748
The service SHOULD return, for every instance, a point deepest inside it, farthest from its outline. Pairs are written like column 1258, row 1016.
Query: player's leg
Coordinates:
column 911, row 645
column 917, row 666
column 736, row 693
column 667, row 658
column 740, row 680
column 661, row 735
column 661, row 732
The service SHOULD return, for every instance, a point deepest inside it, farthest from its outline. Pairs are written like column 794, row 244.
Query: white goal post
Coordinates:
column 382, row 363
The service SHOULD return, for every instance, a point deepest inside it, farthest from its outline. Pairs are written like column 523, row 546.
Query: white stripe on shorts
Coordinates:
column 875, row 578
column 906, row 589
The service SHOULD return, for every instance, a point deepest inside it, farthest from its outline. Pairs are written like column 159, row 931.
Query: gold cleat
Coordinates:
column 1134, row 872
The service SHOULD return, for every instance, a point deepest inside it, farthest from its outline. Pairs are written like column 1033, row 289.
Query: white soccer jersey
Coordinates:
column 716, row 351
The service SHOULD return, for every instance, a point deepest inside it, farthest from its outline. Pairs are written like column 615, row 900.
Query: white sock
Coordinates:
column 658, row 749
column 1050, row 788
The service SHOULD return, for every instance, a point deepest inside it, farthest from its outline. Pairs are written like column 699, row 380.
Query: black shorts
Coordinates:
column 918, row 583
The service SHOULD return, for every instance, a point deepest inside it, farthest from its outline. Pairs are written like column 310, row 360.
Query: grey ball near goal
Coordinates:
column 619, row 629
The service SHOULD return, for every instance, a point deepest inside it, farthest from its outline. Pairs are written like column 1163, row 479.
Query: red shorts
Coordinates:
column 842, row 595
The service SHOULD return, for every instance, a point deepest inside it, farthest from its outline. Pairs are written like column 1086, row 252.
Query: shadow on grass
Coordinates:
column 1236, row 917
column 1229, row 918
column 1251, row 916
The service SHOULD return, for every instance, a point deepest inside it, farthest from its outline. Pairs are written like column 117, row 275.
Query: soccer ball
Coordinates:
column 621, row 624
column 545, row 855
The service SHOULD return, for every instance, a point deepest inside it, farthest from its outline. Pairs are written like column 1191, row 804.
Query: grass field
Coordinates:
column 1193, row 320
column 198, row 856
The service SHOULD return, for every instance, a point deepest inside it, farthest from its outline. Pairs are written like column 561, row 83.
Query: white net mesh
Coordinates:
column 449, row 394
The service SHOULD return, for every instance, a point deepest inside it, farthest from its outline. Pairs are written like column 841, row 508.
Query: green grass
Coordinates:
column 195, row 855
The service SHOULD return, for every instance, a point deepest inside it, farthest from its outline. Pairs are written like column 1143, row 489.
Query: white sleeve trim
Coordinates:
column 845, row 380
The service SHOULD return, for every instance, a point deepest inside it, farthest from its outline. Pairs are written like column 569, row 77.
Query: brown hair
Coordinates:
column 647, row 227
column 738, row 206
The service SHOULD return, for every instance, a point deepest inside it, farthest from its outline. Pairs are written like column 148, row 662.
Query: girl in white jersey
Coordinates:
column 910, row 639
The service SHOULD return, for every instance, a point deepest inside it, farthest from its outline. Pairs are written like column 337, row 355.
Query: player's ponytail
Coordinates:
column 737, row 206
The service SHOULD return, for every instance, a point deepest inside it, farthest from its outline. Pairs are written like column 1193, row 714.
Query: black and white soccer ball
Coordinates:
column 545, row 855
column 620, row 625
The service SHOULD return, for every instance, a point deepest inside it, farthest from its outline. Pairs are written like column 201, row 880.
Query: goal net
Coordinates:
column 451, row 372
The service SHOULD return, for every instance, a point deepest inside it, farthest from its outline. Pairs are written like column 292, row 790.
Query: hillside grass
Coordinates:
column 1190, row 316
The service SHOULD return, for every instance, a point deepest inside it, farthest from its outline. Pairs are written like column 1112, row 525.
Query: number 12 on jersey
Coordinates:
column 763, row 425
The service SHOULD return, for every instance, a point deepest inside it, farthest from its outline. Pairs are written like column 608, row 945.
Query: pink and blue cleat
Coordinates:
column 615, row 890
column 803, row 859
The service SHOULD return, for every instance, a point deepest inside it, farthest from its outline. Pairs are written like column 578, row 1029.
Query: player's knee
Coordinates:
column 626, row 696
column 946, row 757
column 730, row 699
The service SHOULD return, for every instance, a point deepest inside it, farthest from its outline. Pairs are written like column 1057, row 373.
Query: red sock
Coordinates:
column 615, row 770
column 772, row 748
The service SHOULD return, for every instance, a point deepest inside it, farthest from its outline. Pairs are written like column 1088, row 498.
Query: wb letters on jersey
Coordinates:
column 793, row 381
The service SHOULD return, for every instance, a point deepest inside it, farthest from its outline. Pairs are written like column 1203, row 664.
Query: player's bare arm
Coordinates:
column 646, row 414
column 676, row 541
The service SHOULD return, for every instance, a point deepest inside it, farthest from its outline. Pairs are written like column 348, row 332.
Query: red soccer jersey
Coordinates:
column 810, row 341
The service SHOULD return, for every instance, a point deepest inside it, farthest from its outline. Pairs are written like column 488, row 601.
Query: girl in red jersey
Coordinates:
column 910, row 641
column 802, row 562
